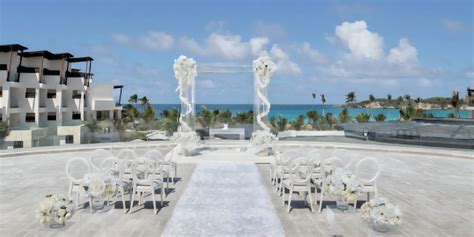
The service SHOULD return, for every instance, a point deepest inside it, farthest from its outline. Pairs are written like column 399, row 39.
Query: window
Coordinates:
column 76, row 115
column 103, row 115
column 17, row 144
column 30, row 118
column 69, row 139
column 51, row 94
column 76, row 95
column 51, row 116
column 30, row 93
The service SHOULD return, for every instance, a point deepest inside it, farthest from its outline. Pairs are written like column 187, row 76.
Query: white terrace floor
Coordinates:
column 433, row 187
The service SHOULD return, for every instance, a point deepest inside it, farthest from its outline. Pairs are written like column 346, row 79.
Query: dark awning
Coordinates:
column 79, row 59
column 46, row 54
column 12, row 47
column 118, row 86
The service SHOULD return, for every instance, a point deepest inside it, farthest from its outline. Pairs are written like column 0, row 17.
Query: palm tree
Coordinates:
column 418, row 100
column 144, row 101
column 380, row 117
column 363, row 117
column 298, row 122
column 344, row 116
column 133, row 99
column 456, row 103
column 351, row 98
column 323, row 100
column 408, row 98
column 314, row 97
column 389, row 101
column 399, row 102
column 331, row 120
column 371, row 98
column 279, row 124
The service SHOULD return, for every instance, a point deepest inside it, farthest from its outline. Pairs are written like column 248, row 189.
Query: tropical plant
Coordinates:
column 314, row 97
column 330, row 120
column 456, row 103
column 149, row 113
column 298, row 123
column 144, row 101
column 224, row 116
column 323, row 101
column 279, row 124
column 407, row 97
column 169, row 121
column 344, row 116
column 371, row 98
column 363, row 117
column 418, row 100
column 133, row 99
column 351, row 98
column 380, row 117
column 206, row 117
column 4, row 129
column 399, row 102
column 389, row 99
column 410, row 112
column 244, row 117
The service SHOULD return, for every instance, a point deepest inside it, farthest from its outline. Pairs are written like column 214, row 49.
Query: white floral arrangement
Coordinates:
column 185, row 70
column 263, row 138
column 344, row 185
column 186, row 140
column 98, row 185
column 54, row 209
column 380, row 211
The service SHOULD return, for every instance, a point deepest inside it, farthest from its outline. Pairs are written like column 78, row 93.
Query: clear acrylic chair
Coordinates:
column 97, row 157
column 283, row 168
column 145, row 181
column 368, row 182
column 328, row 166
column 160, row 164
column 113, row 166
column 299, row 181
column 170, row 165
column 80, row 166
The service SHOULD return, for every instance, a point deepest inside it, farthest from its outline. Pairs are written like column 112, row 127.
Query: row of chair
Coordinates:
column 135, row 174
column 301, row 173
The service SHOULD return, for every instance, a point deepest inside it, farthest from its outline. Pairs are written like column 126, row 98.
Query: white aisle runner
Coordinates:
column 224, row 199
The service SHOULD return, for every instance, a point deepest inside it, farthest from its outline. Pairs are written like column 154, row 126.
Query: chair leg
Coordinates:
column 132, row 200
column 162, row 196
column 310, row 199
column 283, row 197
column 123, row 199
column 289, row 199
column 153, row 198
column 77, row 198
column 175, row 174
column 321, row 201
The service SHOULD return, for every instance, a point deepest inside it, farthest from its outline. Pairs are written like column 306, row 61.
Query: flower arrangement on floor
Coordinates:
column 54, row 210
column 343, row 184
column 99, row 186
column 187, row 141
column 262, row 138
column 382, row 213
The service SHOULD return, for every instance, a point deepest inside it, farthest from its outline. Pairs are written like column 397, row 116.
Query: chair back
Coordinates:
column 97, row 157
column 127, row 154
column 287, row 157
column 77, row 163
column 300, row 170
column 157, row 157
column 327, row 152
column 144, row 172
column 330, row 164
column 366, row 163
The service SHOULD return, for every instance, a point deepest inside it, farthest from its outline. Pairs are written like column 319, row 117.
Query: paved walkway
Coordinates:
column 224, row 199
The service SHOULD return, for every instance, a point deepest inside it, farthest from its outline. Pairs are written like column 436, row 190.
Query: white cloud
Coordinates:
column 366, row 60
column 157, row 40
column 403, row 54
column 154, row 40
column 284, row 64
column 226, row 45
column 453, row 25
column 361, row 42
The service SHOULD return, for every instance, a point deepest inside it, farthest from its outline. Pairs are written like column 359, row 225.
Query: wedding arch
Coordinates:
column 185, row 70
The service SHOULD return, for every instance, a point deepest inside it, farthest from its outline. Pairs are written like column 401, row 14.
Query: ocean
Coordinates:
column 292, row 111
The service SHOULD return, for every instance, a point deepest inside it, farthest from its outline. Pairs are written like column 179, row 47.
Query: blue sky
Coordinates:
column 422, row 48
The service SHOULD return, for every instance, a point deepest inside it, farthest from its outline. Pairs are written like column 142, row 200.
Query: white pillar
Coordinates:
column 81, row 106
column 59, row 106
column 36, row 106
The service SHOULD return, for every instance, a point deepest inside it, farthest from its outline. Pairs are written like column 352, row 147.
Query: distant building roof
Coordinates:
column 12, row 47
column 79, row 59
column 46, row 54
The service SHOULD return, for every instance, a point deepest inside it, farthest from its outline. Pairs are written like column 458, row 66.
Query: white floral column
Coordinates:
column 263, row 70
column 185, row 71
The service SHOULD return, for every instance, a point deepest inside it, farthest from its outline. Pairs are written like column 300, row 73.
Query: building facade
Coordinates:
column 45, row 99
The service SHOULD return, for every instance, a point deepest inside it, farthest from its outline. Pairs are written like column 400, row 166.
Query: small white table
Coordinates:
column 228, row 131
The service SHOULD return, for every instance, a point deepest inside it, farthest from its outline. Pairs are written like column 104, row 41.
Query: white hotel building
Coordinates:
column 45, row 100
